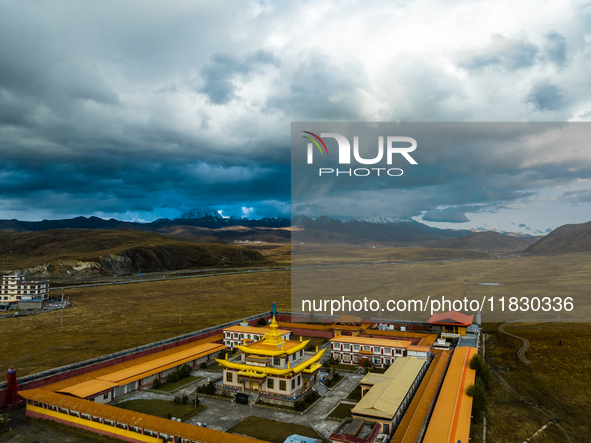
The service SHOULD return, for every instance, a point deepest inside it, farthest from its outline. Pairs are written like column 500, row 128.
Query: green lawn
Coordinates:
column 161, row 408
column 334, row 381
column 172, row 386
column 355, row 394
column 342, row 411
column 271, row 430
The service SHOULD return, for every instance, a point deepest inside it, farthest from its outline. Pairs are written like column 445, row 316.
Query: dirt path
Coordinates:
column 525, row 341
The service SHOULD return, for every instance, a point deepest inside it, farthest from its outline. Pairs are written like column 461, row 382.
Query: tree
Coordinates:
column 477, row 391
column 262, row 322
column 482, row 370
column 157, row 383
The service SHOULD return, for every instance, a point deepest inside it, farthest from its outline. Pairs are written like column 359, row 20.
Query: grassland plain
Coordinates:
column 556, row 385
column 107, row 319
column 558, row 276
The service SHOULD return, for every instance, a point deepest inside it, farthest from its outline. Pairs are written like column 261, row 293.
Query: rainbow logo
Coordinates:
column 315, row 142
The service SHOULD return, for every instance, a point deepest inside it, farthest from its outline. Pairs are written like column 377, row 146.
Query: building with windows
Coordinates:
column 272, row 366
column 129, row 426
column 105, row 385
column 15, row 288
column 385, row 397
column 451, row 323
column 240, row 335
column 379, row 352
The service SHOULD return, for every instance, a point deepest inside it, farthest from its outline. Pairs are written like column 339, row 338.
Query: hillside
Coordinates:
column 86, row 252
column 566, row 239
column 484, row 241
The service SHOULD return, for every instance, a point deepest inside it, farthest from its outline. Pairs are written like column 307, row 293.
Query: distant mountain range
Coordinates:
column 393, row 231
column 204, row 219
column 209, row 225
column 485, row 241
column 566, row 239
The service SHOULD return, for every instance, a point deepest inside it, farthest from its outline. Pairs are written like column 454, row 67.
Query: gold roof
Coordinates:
column 386, row 396
column 136, row 419
column 450, row 421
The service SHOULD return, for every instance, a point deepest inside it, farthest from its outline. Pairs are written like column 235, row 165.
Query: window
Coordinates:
column 387, row 351
column 376, row 361
column 388, row 361
column 270, row 383
column 229, row 377
column 347, row 347
column 293, row 384
column 355, row 358
column 106, row 396
column 366, row 348
column 282, row 385
column 299, row 380
column 347, row 358
column 276, row 361
column 337, row 346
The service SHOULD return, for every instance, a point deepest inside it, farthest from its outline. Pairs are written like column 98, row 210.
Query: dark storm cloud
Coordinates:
column 462, row 169
column 545, row 96
column 220, row 73
column 510, row 53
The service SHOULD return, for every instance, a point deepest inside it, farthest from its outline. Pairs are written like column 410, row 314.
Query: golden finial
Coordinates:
column 288, row 365
column 300, row 338
column 226, row 355
column 316, row 349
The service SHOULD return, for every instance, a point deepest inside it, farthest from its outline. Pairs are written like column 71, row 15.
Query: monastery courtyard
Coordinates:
column 223, row 415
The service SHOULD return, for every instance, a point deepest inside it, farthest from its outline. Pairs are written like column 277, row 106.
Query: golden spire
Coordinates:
column 273, row 337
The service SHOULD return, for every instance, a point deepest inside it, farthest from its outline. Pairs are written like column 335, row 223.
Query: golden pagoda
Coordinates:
column 272, row 366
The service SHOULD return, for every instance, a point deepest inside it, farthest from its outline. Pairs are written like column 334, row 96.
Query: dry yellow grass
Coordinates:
column 556, row 385
column 107, row 319
column 560, row 276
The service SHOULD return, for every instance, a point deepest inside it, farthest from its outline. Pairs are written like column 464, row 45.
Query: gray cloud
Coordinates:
column 450, row 215
column 510, row 53
column 555, row 47
column 220, row 74
column 545, row 96
column 108, row 108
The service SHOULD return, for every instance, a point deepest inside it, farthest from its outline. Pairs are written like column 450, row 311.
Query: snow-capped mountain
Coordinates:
column 200, row 213
column 381, row 219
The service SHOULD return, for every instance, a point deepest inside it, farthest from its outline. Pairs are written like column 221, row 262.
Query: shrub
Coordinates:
column 482, row 370
column 477, row 391
column 173, row 376
column 185, row 371
column 196, row 401
column 157, row 383
column 184, row 399
column 262, row 322
column 203, row 365
column 207, row 389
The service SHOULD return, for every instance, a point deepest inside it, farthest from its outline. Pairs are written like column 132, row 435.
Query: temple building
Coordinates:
column 235, row 335
column 272, row 366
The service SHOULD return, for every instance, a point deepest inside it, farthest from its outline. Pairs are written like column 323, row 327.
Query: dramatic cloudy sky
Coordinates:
column 139, row 110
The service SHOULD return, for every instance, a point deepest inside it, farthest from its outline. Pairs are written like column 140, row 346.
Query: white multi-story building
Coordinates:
column 15, row 288
column 237, row 335
column 380, row 352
